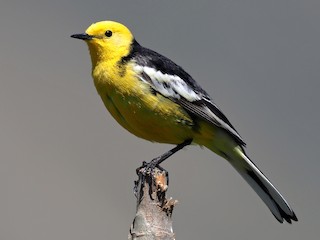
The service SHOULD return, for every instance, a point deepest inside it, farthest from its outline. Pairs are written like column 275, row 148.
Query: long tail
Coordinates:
column 262, row 186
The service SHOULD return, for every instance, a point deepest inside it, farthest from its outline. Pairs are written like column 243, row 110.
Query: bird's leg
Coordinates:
column 149, row 167
column 158, row 160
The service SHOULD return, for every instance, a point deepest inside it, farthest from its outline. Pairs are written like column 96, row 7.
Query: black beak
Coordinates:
column 82, row 36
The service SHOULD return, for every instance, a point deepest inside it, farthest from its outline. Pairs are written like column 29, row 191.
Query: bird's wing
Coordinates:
column 190, row 96
column 170, row 80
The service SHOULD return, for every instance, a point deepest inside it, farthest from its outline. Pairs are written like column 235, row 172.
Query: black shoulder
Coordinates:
column 147, row 57
column 202, row 106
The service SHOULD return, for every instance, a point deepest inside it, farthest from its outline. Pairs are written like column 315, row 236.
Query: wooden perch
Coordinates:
column 153, row 220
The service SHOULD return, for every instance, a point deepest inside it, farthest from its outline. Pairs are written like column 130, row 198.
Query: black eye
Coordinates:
column 108, row 33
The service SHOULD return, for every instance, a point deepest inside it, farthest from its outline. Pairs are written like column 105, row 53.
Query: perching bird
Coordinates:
column 155, row 99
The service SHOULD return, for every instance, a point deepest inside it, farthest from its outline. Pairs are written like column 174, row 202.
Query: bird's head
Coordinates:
column 107, row 40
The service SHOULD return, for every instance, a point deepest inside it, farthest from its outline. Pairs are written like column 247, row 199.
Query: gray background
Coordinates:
column 67, row 168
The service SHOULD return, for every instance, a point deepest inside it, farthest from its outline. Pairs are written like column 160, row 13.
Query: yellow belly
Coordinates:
column 144, row 114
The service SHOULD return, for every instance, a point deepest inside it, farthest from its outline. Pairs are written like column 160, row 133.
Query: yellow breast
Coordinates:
column 132, row 103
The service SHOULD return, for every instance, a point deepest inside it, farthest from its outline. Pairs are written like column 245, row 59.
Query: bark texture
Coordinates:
column 153, row 219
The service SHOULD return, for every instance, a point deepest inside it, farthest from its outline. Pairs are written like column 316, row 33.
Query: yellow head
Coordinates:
column 107, row 40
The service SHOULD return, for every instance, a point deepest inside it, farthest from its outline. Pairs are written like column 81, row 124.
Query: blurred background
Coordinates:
column 67, row 168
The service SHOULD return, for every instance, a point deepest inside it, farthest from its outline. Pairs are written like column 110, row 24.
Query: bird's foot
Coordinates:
column 152, row 174
column 147, row 170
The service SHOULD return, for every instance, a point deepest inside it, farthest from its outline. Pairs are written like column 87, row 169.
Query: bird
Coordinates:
column 157, row 100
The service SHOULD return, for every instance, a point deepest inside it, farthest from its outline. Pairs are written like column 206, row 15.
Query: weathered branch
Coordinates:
column 153, row 216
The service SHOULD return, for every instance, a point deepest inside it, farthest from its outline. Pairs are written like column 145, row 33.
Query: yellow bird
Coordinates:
column 155, row 99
